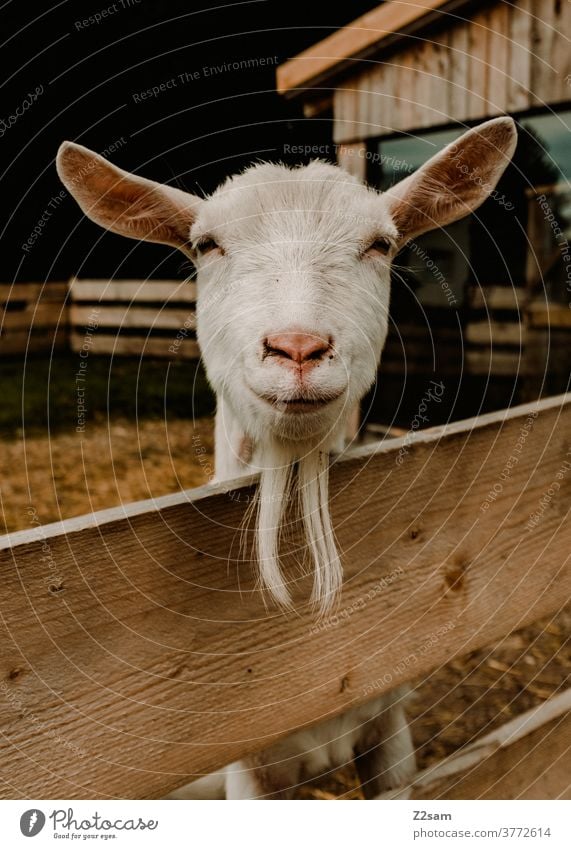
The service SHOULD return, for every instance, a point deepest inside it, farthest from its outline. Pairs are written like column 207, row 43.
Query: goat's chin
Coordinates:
column 301, row 428
column 298, row 424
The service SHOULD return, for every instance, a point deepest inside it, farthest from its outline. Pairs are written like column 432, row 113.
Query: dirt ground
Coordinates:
column 70, row 474
column 73, row 473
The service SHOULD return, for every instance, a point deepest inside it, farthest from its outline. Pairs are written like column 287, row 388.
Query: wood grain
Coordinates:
column 520, row 56
column 111, row 307
column 500, row 58
column 542, row 314
column 42, row 341
column 33, row 317
column 134, row 316
column 356, row 39
column 133, row 290
column 144, row 345
column 32, row 292
column 137, row 652
column 459, row 63
column 493, row 333
column 497, row 297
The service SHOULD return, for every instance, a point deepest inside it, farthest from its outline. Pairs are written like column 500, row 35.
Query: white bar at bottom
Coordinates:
column 287, row 825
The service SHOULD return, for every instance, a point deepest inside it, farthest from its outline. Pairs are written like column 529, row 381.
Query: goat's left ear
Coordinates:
column 455, row 181
column 125, row 203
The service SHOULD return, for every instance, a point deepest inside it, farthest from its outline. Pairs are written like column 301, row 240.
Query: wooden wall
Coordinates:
column 506, row 58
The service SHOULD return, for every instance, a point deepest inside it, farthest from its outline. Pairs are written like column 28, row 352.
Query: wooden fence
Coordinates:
column 33, row 318
column 137, row 652
column 154, row 318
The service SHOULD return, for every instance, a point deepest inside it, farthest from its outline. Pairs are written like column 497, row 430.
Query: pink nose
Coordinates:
column 296, row 347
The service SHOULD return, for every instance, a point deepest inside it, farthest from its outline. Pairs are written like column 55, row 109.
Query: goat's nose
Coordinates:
column 297, row 347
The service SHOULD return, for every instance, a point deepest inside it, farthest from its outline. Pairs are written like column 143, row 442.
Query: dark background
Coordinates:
column 191, row 136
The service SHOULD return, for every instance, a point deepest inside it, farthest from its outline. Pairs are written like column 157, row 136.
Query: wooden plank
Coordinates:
column 34, row 316
column 365, row 34
column 133, row 315
column 344, row 125
column 133, row 290
column 459, row 62
column 498, row 363
column 440, row 80
column 536, row 360
column 520, row 56
column 497, row 297
column 32, row 292
column 374, row 100
column 365, row 107
column 495, row 333
column 560, row 57
column 406, row 108
column 549, row 315
column 425, row 85
column 137, row 651
column 478, row 70
column 527, row 758
column 174, row 346
column 461, row 74
column 43, row 341
column 498, row 60
column 543, row 75
column 492, row 64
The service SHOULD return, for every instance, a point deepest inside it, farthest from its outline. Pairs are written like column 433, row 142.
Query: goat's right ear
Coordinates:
column 455, row 181
column 125, row 203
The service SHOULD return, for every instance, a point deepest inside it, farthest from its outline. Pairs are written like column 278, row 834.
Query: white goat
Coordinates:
column 292, row 314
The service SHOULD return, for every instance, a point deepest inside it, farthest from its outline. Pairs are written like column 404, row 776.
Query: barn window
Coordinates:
column 489, row 248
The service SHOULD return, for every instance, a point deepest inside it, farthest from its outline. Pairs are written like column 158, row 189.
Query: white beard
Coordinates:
column 294, row 480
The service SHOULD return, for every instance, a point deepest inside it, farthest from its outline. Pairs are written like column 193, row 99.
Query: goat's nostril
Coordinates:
column 297, row 347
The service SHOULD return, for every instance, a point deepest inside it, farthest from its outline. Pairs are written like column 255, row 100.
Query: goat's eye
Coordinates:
column 380, row 247
column 206, row 245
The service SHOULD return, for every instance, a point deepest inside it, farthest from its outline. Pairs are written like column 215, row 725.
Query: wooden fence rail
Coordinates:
column 33, row 318
column 526, row 758
column 152, row 318
column 136, row 651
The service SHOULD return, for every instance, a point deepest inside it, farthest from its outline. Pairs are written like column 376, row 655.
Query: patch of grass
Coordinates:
column 44, row 393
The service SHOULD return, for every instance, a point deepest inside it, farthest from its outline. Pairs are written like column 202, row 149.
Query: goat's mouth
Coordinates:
column 298, row 404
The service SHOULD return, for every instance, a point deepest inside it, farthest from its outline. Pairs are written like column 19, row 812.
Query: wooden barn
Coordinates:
column 483, row 305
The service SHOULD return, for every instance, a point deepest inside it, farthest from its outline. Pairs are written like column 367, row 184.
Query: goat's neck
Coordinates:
column 233, row 448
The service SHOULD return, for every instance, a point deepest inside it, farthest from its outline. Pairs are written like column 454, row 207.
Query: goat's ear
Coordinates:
column 124, row 203
column 455, row 181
